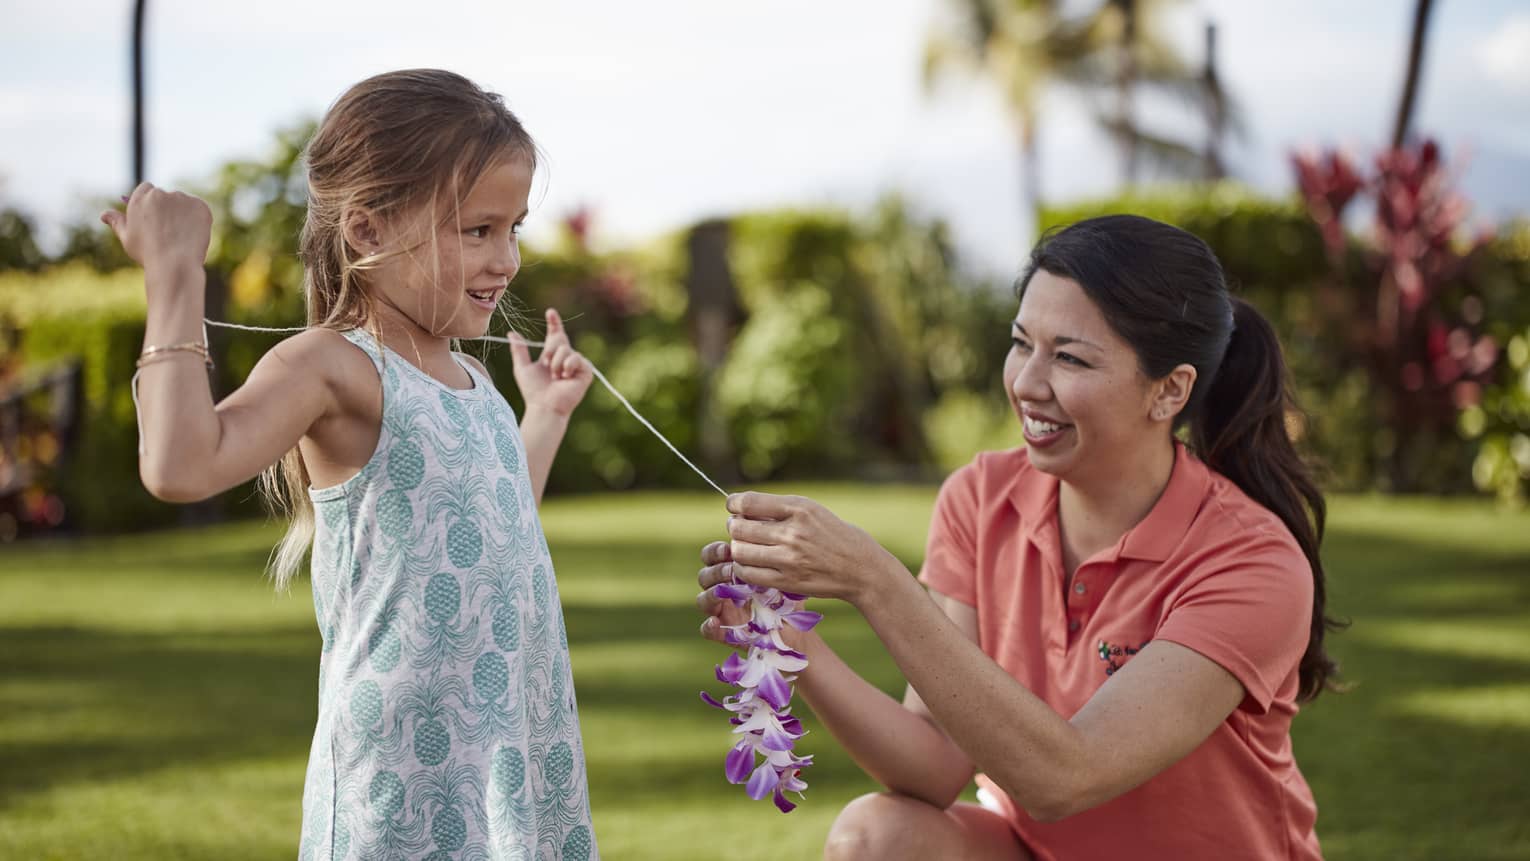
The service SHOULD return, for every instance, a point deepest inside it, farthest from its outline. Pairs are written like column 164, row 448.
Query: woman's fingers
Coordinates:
column 758, row 575
column 715, row 552
column 713, row 575
column 762, row 506
column 712, row 628
column 720, row 613
column 767, row 532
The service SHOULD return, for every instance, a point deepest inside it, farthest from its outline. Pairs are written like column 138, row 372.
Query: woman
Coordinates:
column 1118, row 627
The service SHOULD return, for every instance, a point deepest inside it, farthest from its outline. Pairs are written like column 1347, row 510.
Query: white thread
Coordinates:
column 494, row 338
column 635, row 414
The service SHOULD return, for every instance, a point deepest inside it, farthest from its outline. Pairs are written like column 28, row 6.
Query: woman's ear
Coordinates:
column 362, row 232
column 1171, row 393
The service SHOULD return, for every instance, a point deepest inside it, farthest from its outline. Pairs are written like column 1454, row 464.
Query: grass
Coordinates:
column 156, row 698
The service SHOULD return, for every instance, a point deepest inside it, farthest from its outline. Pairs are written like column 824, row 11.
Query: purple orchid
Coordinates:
column 761, row 710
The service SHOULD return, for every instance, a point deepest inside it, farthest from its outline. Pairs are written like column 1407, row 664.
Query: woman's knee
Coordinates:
column 876, row 826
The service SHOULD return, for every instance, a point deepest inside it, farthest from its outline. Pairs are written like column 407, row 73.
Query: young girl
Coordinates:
column 447, row 724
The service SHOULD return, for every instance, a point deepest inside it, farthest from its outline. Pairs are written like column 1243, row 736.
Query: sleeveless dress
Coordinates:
column 447, row 726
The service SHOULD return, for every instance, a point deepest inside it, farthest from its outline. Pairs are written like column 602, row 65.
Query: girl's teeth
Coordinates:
column 1041, row 427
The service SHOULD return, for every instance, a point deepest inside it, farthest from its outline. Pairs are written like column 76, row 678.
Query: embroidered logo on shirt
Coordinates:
column 1116, row 656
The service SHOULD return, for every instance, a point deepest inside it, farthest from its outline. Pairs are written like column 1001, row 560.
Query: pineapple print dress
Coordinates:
column 447, row 726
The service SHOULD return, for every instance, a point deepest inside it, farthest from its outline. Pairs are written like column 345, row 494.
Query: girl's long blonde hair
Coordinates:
column 391, row 145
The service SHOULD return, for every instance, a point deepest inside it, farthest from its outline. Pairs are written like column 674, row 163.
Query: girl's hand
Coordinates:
column 796, row 545
column 557, row 380
column 163, row 231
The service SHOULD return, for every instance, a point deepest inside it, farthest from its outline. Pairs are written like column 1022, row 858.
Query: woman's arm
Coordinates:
column 897, row 744
column 1170, row 697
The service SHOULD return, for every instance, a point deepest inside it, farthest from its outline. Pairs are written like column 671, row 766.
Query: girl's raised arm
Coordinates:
column 193, row 449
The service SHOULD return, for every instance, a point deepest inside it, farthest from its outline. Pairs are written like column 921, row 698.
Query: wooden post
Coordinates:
column 714, row 315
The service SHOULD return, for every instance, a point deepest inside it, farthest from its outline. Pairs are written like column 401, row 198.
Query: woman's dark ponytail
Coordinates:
column 1163, row 291
column 1240, row 431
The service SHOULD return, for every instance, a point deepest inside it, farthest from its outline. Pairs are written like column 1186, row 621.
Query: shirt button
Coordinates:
column 1073, row 625
column 1078, row 587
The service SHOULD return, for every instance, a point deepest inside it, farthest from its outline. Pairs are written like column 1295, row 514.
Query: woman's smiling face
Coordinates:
column 1083, row 401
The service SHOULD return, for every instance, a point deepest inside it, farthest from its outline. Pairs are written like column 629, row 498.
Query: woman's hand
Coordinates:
column 163, row 231
column 796, row 545
column 720, row 613
column 557, row 380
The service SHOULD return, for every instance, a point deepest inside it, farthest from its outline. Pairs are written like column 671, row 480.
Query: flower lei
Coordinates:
column 761, row 710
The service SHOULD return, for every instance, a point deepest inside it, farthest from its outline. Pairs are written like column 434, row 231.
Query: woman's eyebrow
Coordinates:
column 1060, row 340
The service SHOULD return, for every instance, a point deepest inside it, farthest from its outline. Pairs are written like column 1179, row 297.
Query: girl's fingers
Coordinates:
column 562, row 361
column 554, row 338
column 554, row 322
column 552, row 354
column 520, row 357
column 139, row 193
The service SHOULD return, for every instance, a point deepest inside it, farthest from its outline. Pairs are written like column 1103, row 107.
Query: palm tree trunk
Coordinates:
column 1415, row 66
column 1030, row 171
column 1126, row 79
column 1216, row 110
column 138, row 155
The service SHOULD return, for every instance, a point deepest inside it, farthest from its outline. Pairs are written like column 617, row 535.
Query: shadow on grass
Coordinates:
column 80, row 704
column 1391, row 783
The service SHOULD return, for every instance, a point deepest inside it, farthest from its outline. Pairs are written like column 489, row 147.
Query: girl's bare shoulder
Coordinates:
column 329, row 356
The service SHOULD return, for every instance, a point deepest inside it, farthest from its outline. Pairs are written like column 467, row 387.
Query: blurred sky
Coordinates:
column 661, row 112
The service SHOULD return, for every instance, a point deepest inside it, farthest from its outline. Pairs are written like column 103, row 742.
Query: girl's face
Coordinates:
column 451, row 276
column 1084, row 404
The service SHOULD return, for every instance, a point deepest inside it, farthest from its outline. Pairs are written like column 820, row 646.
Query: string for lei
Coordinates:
column 760, row 712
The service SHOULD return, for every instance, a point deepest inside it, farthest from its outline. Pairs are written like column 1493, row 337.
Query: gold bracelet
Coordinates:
column 150, row 355
column 155, row 360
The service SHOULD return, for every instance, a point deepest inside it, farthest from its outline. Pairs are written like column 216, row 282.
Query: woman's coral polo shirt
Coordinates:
column 1208, row 568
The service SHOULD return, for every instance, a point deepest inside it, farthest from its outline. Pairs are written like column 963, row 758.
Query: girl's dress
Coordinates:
column 447, row 725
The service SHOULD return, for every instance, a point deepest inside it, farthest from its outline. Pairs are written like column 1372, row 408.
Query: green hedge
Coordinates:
column 863, row 348
column 75, row 314
column 1264, row 244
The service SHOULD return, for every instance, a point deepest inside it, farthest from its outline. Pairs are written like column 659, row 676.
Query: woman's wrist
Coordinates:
column 886, row 581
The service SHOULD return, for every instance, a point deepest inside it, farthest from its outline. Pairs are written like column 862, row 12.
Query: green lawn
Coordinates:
column 156, row 698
